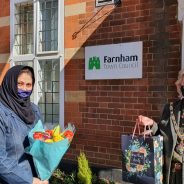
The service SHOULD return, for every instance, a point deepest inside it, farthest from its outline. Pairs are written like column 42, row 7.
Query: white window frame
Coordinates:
column 35, row 57
column 13, row 56
column 37, row 34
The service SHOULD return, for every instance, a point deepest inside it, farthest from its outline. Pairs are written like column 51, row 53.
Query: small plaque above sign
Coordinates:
column 104, row 2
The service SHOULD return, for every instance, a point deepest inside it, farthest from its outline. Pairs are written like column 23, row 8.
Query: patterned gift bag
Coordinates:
column 142, row 159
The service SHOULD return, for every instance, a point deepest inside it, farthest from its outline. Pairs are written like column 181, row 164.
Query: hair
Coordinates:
column 178, row 82
column 27, row 71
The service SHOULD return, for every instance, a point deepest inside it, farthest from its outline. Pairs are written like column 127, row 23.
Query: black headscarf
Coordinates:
column 9, row 94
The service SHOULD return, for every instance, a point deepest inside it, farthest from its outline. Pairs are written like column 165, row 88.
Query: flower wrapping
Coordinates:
column 142, row 159
column 47, row 155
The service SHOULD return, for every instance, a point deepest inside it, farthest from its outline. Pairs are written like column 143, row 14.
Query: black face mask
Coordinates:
column 182, row 90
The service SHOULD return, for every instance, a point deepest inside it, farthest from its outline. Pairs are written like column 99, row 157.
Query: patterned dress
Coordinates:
column 176, row 171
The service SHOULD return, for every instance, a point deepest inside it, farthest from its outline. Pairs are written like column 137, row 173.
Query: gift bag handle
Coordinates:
column 135, row 127
column 145, row 129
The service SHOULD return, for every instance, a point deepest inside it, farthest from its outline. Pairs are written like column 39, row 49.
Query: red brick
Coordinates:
column 4, row 8
column 5, row 39
column 3, row 68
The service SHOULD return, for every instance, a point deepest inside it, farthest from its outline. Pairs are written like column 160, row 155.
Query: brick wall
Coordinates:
column 4, row 36
column 104, row 109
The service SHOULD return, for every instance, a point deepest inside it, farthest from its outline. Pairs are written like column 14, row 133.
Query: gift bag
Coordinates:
column 47, row 155
column 142, row 159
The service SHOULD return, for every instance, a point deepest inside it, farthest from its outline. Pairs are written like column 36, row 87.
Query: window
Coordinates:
column 23, row 29
column 35, row 31
column 46, row 32
column 48, row 89
column 48, row 26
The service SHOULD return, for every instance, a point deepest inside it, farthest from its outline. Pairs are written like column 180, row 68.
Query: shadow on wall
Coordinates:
column 3, row 68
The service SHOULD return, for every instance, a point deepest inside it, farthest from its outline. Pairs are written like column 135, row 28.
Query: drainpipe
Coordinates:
column 182, row 45
column 181, row 19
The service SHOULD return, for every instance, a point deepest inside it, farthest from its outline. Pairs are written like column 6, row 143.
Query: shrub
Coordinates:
column 84, row 172
column 83, row 176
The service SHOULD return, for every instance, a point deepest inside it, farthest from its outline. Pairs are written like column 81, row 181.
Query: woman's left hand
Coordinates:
column 145, row 121
column 45, row 182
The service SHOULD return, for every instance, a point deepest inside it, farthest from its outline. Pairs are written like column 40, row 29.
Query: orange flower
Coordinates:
column 139, row 167
column 128, row 167
column 142, row 150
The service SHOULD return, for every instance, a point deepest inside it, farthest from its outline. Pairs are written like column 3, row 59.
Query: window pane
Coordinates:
column 55, row 97
column 49, row 109
column 48, row 25
column 55, row 86
column 42, row 108
column 49, row 97
column 56, row 109
column 48, row 89
column 56, row 118
column 48, row 118
column 23, row 29
column 25, row 63
column 41, row 97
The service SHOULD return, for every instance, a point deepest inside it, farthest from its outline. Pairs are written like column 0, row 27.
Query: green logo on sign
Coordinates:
column 94, row 62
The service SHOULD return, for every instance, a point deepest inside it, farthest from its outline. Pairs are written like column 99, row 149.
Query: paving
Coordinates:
column 113, row 175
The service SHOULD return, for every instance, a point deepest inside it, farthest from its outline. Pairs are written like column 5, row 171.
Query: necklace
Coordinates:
column 181, row 124
column 180, row 145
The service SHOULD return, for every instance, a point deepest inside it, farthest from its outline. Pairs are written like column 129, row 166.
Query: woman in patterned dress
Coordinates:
column 171, row 127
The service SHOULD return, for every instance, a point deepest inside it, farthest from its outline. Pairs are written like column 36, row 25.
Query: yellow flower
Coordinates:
column 57, row 138
column 48, row 140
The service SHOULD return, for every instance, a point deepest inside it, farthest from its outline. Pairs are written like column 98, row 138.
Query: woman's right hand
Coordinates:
column 38, row 181
column 145, row 121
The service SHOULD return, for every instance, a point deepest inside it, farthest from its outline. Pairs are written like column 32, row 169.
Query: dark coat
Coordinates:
column 166, row 129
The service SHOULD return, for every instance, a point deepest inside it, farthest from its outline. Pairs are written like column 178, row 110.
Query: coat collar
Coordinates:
column 177, row 109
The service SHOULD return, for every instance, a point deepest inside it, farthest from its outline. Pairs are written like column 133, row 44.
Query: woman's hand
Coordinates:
column 45, row 182
column 145, row 121
column 38, row 181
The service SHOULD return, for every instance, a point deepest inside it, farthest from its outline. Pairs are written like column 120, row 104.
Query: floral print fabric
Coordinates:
column 142, row 159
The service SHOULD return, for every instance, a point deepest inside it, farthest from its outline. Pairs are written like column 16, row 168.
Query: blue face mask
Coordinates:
column 24, row 94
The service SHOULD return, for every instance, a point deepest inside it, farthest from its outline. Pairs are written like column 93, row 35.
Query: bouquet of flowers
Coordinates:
column 47, row 147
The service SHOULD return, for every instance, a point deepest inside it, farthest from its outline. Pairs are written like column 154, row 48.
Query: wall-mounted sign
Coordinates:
column 104, row 2
column 115, row 61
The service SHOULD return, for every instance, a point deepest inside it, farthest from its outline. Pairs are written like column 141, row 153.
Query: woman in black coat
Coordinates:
column 171, row 127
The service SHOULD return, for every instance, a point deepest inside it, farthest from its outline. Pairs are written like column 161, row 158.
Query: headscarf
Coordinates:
column 9, row 94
